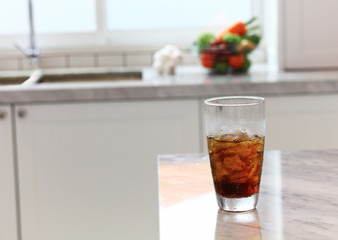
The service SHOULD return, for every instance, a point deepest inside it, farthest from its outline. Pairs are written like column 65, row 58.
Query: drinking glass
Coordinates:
column 235, row 128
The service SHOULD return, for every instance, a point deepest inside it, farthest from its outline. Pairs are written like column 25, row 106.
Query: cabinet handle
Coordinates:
column 22, row 113
column 3, row 114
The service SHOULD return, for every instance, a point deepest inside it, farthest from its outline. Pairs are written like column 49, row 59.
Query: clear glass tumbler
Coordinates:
column 235, row 128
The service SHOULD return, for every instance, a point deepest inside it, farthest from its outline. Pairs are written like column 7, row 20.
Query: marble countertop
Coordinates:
column 189, row 82
column 298, row 199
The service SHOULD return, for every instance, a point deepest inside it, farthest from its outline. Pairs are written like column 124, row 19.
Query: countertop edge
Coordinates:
column 265, row 85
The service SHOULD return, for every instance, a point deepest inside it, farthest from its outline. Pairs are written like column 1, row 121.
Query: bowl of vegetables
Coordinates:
column 228, row 51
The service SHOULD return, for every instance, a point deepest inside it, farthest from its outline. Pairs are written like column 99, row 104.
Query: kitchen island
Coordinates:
column 298, row 199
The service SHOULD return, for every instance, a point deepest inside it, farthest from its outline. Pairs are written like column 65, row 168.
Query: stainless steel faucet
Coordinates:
column 32, row 52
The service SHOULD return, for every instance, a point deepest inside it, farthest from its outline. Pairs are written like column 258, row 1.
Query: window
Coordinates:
column 62, row 16
column 65, row 16
column 174, row 14
column 118, row 23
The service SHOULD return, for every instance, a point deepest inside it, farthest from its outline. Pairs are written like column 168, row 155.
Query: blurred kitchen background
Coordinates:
column 105, row 33
column 79, row 158
column 109, row 33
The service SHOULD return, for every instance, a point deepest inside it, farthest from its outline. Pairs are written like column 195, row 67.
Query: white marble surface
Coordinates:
column 298, row 199
column 187, row 83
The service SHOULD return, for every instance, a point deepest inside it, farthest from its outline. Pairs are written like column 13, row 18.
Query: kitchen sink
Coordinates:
column 12, row 80
column 89, row 77
column 73, row 75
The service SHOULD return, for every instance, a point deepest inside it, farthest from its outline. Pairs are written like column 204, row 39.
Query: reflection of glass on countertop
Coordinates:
column 238, row 225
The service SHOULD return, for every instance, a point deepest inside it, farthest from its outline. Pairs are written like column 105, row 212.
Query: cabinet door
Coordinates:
column 301, row 122
column 89, row 170
column 309, row 34
column 8, row 220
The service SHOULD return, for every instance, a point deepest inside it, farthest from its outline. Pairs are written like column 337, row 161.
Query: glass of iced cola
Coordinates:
column 235, row 128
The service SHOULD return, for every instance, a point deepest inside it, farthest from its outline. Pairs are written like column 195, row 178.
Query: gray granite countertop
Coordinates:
column 298, row 199
column 189, row 82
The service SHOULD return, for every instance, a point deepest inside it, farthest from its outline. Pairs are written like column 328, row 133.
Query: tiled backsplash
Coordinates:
column 88, row 59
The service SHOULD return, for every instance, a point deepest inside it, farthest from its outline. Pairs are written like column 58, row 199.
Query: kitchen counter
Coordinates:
column 298, row 199
column 189, row 82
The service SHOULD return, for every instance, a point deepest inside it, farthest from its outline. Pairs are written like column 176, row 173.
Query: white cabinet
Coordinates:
column 301, row 122
column 308, row 34
column 88, row 170
column 8, row 210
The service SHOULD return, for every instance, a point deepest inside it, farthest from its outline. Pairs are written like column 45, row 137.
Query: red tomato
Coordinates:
column 207, row 60
column 237, row 61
